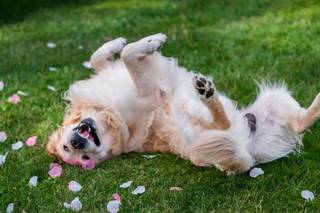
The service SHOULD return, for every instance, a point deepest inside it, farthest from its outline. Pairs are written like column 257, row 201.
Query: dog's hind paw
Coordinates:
column 152, row 43
column 204, row 87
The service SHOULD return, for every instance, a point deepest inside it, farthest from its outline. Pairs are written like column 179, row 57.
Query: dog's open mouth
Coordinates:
column 87, row 129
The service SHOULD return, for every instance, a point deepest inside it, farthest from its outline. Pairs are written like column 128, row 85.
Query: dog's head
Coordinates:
column 90, row 134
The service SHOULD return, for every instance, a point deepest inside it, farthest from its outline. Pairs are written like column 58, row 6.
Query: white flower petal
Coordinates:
column 126, row 184
column 16, row 146
column 51, row 45
column 66, row 205
column 22, row 93
column 149, row 156
column 10, row 208
column 33, row 182
column 75, row 204
column 175, row 189
column 87, row 64
column 3, row 158
column 52, row 69
column 139, row 190
column 306, row 194
column 113, row 206
column 74, row 186
column 52, row 88
column 1, row 85
column 80, row 47
column 255, row 172
column 3, row 137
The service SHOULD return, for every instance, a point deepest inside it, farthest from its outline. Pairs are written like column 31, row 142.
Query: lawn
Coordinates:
column 238, row 42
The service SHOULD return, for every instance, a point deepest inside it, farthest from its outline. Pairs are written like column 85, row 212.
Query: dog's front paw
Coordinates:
column 204, row 87
column 116, row 45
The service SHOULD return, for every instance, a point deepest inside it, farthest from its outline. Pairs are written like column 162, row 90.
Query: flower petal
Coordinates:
column 113, row 206
column 116, row 197
column 51, row 45
column 74, row 186
column 55, row 170
column 255, row 172
column 10, row 208
column 52, row 88
column 307, row 195
column 31, row 141
column 52, row 69
column 3, row 158
column 87, row 64
column 139, row 190
column 19, row 92
column 126, row 184
column 16, row 146
column 1, row 85
column 14, row 99
column 76, row 204
column 3, row 137
column 33, row 182
column 149, row 156
column 175, row 189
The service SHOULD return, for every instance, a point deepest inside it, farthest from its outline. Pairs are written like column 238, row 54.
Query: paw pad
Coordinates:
column 203, row 86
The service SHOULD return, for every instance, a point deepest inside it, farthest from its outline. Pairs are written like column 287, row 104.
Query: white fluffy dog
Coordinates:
column 145, row 102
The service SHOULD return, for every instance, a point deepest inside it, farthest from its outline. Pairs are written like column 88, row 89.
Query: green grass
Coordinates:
column 236, row 41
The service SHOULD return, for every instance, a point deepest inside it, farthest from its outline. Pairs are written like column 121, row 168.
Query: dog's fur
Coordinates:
column 144, row 102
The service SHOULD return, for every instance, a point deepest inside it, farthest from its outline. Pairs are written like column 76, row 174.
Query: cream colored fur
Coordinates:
column 156, row 108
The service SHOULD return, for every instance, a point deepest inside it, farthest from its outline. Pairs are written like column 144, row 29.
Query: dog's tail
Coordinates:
column 218, row 148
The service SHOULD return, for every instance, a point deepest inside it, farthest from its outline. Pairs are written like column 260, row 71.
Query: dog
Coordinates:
column 145, row 102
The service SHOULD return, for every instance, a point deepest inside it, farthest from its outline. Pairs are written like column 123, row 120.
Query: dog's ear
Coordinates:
column 53, row 141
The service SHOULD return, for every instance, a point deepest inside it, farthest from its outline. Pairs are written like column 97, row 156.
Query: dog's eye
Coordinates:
column 85, row 157
column 65, row 148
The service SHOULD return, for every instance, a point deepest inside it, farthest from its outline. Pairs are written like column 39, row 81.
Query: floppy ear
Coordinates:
column 53, row 141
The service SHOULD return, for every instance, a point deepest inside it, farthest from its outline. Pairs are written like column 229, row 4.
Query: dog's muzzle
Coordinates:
column 85, row 131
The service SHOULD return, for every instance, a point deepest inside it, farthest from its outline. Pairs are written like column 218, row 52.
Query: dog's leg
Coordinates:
column 307, row 117
column 104, row 54
column 141, row 61
column 207, row 93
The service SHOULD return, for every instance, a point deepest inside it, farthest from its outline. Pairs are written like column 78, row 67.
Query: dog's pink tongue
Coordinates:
column 85, row 133
column 88, row 164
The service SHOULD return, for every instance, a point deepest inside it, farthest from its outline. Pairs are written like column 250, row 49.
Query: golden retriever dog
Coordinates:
column 145, row 102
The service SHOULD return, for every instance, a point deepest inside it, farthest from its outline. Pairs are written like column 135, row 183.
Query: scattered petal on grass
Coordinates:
column 87, row 65
column 113, row 206
column 55, row 170
column 16, row 146
column 22, row 93
column 139, row 190
column 1, row 85
column 116, row 197
column 3, row 158
column 3, row 137
column 149, row 156
column 52, row 88
column 307, row 195
column 255, row 172
column 75, row 204
column 175, row 189
column 52, row 69
column 80, row 47
column 33, row 182
column 126, row 184
column 74, row 186
column 14, row 99
column 10, row 208
column 31, row 141
column 51, row 45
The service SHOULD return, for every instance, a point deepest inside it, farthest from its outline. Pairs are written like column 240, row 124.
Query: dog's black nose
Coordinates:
column 77, row 141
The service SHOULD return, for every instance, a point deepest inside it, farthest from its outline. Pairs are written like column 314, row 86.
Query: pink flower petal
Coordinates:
column 3, row 137
column 31, row 141
column 14, row 99
column 55, row 170
column 116, row 197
